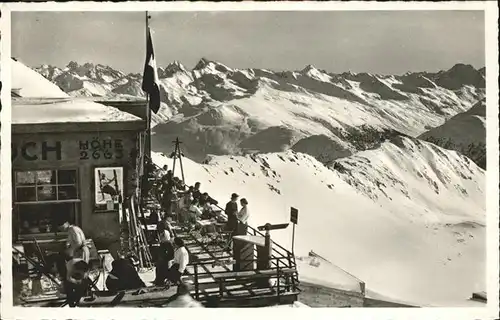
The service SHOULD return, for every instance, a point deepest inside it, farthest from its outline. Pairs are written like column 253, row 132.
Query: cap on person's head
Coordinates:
column 197, row 184
column 244, row 201
column 234, row 196
column 205, row 193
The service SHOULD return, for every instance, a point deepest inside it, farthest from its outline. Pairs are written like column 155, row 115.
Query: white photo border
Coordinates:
column 489, row 312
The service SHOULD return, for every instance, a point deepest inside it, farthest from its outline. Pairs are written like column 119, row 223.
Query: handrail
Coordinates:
column 281, row 257
column 279, row 275
column 255, row 232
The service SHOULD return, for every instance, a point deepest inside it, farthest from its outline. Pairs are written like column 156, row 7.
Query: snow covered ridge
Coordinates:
column 408, row 208
column 465, row 133
column 221, row 110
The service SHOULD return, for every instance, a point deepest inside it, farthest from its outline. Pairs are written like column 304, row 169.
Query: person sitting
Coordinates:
column 77, row 282
column 181, row 260
column 164, row 262
column 163, row 171
column 196, row 191
column 168, row 177
column 164, row 231
column 195, row 210
column 183, row 299
column 153, row 217
column 204, row 199
column 166, row 252
column 123, row 276
column 181, row 193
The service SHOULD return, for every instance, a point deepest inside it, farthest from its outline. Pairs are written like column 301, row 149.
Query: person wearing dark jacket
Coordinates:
column 196, row 191
column 164, row 261
column 77, row 282
column 167, row 200
column 123, row 276
column 165, row 256
column 231, row 211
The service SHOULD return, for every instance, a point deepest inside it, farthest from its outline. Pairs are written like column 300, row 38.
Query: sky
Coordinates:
column 383, row 42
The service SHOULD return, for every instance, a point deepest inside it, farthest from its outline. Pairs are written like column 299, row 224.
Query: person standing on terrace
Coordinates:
column 231, row 211
column 243, row 216
column 76, row 245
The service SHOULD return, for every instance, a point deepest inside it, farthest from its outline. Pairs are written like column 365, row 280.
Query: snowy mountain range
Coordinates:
column 465, row 133
column 219, row 110
column 406, row 216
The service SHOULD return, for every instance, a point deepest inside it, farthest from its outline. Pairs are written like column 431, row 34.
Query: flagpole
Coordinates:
column 147, row 140
column 147, row 98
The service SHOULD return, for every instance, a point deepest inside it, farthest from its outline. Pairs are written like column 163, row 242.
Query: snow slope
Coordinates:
column 31, row 84
column 407, row 218
column 465, row 133
column 216, row 109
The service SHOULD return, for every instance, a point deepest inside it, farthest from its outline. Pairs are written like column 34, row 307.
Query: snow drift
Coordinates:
column 421, row 241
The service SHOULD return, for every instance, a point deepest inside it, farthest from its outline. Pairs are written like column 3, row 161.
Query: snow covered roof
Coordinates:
column 323, row 273
column 29, row 83
column 30, row 111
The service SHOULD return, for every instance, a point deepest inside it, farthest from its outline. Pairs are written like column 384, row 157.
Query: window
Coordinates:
column 44, row 199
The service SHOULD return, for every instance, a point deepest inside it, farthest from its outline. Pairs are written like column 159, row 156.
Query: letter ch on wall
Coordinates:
column 46, row 149
column 32, row 151
column 24, row 151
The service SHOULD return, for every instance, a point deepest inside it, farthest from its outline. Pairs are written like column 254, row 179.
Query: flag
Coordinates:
column 150, row 82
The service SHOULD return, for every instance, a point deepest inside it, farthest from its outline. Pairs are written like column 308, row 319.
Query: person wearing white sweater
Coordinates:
column 181, row 256
column 181, row 260
column 243, row 215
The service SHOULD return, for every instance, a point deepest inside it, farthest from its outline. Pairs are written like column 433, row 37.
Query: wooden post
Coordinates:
column 180, row 161
column 278, row 280
column 363, row 288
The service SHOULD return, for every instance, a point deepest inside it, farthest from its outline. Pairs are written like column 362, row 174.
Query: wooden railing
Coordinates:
column 281, row 259
column 285, row 279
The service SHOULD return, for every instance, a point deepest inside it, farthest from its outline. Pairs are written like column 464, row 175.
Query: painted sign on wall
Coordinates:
column 97, row 149
column 108, row 187
column 33, row 151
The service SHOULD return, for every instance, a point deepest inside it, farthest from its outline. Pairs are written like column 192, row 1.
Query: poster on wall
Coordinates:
column 108, row 187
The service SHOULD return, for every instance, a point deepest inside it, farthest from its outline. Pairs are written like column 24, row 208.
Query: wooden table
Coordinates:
column 208, row 226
